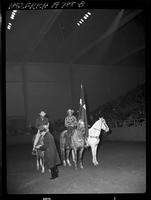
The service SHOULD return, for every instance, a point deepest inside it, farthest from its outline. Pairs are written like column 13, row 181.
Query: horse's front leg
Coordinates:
column 42, row 165
column 37, row 163
column 74, row 155
column 81, row 153
column 63, row 156
column 68, row 161
column 94, row 149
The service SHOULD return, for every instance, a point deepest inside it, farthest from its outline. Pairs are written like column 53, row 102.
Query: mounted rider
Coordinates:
column 70, row 124
column 41, row 123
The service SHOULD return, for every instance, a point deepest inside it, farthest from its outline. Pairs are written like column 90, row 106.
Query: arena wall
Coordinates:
column 133, row 134
column 127, row 134
column 48, row 87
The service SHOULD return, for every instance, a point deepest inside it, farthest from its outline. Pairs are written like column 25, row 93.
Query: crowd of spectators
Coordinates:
column 127, row 110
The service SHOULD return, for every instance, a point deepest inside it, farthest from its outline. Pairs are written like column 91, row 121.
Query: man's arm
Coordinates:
column 45, row 145
column 66, row 122
column 75, row 122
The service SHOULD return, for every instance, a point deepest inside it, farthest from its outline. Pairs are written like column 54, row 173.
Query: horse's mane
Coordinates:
column 97, row 123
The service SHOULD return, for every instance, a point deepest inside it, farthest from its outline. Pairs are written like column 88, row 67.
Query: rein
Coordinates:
column 94, row 136
column 97, row 129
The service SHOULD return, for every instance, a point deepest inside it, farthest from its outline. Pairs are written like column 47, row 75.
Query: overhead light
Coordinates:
column 13, row 14
column 84, row 18
column 12, row 17
column 86, row 15
column 9, row 27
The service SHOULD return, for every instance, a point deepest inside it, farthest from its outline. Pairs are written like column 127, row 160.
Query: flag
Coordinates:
column 82, row 110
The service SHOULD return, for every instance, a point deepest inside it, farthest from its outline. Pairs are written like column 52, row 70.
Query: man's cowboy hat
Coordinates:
column 42, row 113
column 70, row 110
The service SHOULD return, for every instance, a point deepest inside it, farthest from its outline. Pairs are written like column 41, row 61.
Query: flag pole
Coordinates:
column 82, row 111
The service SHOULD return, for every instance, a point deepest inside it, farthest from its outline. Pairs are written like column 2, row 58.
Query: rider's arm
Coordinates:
column 74, row 121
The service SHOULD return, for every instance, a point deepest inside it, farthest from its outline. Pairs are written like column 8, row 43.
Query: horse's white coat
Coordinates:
column 93, row 137
column 40, row 154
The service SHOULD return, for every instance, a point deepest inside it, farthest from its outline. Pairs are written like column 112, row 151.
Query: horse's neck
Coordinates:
column 96, row 125
column 95, row 130
column 77, row 133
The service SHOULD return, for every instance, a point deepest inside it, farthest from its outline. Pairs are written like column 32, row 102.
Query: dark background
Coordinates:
column 48, row 56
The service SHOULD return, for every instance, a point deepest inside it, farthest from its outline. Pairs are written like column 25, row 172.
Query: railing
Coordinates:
column 58, row 125
column 126, row 123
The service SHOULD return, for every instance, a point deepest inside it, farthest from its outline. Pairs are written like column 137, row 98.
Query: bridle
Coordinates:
column 97, row 137
column 100, row 129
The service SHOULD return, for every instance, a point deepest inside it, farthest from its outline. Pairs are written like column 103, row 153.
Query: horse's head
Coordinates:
column 80, row 124
column 101, row 125
column 104, row 125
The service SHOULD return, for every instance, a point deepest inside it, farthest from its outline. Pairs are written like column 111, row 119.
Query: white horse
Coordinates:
column 93, row 137
column 39, row 153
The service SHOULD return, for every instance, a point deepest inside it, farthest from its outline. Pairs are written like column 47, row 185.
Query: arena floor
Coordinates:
column 122, row 169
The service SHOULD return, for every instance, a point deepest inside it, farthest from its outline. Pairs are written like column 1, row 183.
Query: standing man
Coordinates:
column 51, row 155
column 70, row 124
column 41, row 123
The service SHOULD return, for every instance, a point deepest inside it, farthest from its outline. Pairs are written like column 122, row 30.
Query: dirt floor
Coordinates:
column 122, row 169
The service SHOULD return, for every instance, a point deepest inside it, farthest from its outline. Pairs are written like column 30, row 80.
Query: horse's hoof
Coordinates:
column 95, row 164
column 69, row 164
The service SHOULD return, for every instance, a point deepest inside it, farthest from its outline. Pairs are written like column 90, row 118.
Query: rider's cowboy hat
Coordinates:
column 42, row 113
column 70, row 110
